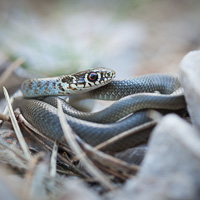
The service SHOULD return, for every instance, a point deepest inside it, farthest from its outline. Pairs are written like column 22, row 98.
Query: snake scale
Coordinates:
column 134, row 96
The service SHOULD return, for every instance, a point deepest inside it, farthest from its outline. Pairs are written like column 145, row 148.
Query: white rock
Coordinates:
column 170, row 169
column 174, row 147
column 190, row 80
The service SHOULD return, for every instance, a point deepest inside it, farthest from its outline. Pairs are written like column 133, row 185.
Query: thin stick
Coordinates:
column 5, row 113
column 68, row 133
column 65, row 161
column 107, row 161
column 53, row 160
column 16, row 126
column 124, row 134
column 29, row 127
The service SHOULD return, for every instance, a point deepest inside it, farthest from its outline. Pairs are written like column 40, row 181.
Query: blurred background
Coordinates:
column 132, row 37
column 55, row 37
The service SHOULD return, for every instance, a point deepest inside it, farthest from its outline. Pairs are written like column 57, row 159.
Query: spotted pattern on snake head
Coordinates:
column 67, row 84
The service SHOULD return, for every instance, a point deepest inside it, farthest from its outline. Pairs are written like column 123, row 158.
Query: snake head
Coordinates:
column 89, row 79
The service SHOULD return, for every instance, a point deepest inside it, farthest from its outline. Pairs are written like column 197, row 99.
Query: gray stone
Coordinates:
column 177, row 187
column 174, row 147
column 190, row 80
column 170, row 169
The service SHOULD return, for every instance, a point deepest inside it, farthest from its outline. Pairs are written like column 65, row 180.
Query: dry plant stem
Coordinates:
column 24, row 122
column 109, row 162
column 53, row 160
column 16, row 126
column 104, row 161
column 8, row 72
column 32, row 135
column 113, row 173
column 4, row 117
column 5, row 113
column 66, row 162
column 89, row 166
column 127, row 133
column 68, row 173
column 52, row 172
column 33, row 162
column 71, row 167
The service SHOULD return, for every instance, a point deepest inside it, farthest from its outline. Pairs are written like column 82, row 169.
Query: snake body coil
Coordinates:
column 135, row 94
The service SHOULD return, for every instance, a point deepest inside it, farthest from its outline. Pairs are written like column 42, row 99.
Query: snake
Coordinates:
column 133, row 97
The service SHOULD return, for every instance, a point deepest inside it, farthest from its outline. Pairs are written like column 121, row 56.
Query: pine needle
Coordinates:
column 16, row 126
column 124, row 134
column 53, row 160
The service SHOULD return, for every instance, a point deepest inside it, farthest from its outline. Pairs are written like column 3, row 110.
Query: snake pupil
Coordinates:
column 92, row 77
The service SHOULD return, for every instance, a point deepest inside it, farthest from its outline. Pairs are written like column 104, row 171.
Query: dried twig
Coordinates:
column 126, row 134
column 16, row 126
column 109, row 163
column 5, row 113
column 65, row 161
column 26, row 125
column 90, row 167
column 53, row 160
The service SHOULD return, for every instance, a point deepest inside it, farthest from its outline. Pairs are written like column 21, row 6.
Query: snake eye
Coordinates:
column 92, row 76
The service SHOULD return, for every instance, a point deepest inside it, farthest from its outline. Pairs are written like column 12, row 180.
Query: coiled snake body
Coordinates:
column 135, row 95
